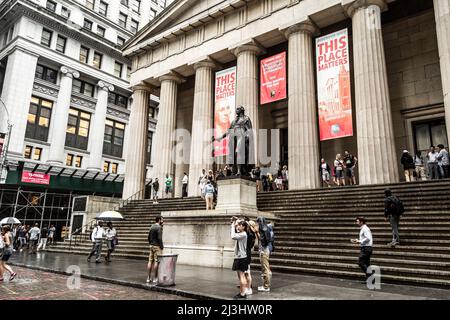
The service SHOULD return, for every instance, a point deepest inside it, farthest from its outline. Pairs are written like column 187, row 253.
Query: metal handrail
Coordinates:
column 135, row 196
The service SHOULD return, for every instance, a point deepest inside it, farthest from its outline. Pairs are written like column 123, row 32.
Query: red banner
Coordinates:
column 273, row 78
column 225, row 107
column 36, row 178
column 334, row 86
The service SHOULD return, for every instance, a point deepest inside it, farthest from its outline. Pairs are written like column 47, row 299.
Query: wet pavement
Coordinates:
column 39, row 285
column 215, row 283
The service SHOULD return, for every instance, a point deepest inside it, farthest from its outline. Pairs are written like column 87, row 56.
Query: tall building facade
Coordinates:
column 65, row 85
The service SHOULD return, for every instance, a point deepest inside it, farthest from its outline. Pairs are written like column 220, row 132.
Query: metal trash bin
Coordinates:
column 166, row 269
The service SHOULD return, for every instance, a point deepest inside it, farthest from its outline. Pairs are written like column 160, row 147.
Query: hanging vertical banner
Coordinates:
column 273, row 78
column 2, row 143
column 334, row 87
column 225, row 107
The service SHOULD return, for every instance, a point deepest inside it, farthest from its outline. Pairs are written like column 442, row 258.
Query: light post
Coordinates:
column 4, row 149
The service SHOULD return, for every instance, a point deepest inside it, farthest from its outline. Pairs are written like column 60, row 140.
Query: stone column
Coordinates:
column 442, row 15
column 61, row 115
column 376, row 144
column 247, row 86
column 98, row 126
column 136, row 155
column 165, row 129
column 202, row 124
column 16, row 94
column 302, row 119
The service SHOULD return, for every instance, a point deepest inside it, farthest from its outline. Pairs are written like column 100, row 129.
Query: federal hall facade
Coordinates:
column 400, row 81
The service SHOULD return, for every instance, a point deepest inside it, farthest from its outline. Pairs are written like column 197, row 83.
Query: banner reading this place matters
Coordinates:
column 273, row 78
column 334, row 86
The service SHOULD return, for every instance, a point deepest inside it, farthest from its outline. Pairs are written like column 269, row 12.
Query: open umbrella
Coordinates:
column 110, row 216
column 10, row 220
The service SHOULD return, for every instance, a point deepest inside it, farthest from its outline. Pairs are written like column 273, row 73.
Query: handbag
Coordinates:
column 115, row 242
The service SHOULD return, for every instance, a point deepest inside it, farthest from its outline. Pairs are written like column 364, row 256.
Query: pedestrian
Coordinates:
column 270, row 182
column 350, row 162
column 443, row 162
column 419, row 163
column 202, row 182
column 240, row 264
column 185, row 182
column 7, row 251
column 285, row 177
column 279, row 182
column 393, row 209
column 22, row 237
column 111, row 240
column 155, row 187
column 228, row 170
column 251, row 238
column 34, row 237
column 51, row 234
column 265, row 183
column 408, row 166
column 433, row 168
column 43, row 240
column 168, row 182
column 209, row 192
column 257, row 176
column 264, row 248
column 97, row 242
column 155, row 239
column 15, row 236
column 325, row 172
column 339, row 168
column 210, row 176
column 366, row 243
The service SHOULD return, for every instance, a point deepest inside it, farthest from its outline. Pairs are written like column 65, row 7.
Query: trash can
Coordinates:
column 166, row 269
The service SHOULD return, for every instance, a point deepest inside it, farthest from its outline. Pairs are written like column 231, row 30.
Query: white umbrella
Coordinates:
column 110, row 216
column 10, row 220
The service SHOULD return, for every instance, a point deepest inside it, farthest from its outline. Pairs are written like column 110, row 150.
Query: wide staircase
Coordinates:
column 313, row 235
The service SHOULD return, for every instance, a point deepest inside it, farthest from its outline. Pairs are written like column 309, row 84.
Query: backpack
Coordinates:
column 400, row 209
column 267, row 236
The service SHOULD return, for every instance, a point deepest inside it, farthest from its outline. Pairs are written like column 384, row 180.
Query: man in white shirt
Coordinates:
column 366, row 242
column 97, row 240
column 443, row 162
column 185, row 185
column 34, row 237
column 433, row 169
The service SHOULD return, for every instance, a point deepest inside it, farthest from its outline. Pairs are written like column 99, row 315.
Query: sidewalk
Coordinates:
column 214, row 283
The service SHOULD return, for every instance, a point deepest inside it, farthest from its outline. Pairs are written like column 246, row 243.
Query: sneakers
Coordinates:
column 148, row 280
column 239, row 297
column 248, row 291
column 98, row 261
column 263, row 289
column 12, row 276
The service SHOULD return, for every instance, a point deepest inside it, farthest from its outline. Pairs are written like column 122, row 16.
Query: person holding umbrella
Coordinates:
column 111, row 238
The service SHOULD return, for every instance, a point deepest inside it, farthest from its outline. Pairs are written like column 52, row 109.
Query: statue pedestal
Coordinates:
column 203, row 238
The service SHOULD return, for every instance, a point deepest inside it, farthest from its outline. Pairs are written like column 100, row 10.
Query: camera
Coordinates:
column 233, row 219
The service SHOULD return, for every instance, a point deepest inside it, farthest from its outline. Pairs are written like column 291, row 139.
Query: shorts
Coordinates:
column 7, row 253
column 155, row 193
column 326, row 176
column 339, row 174
column 350, row 172
column 209, row 196
column 110, row 244
column 240, row 265
column 168, row 189
column 155, row 251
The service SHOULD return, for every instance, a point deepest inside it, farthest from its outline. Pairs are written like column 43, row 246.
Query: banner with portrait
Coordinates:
column 225, row 107
column 334, row 86
column 273, row 78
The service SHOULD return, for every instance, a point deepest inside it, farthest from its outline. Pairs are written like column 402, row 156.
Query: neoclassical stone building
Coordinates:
column 400, row 70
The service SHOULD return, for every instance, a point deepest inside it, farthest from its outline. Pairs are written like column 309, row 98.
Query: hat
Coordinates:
column 405, row 151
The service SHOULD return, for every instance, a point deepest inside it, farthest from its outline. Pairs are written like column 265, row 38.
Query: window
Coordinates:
column 103, row 8
column 113, row 139
column 46, row 38
column 134, row 26
column 37, row 154
column 429, row 133
column 65, row 12
column 118, row 67
column 106, row 166
column 51, row 5
column 39, row 119
column 84, row 54
column 149, row 147
column 114, row 168
column 120, row 41
column 118, row 100
column 46, row 73
column 69, row 159
column 98, row 60
column 61, row 44
column 83, row 87
column 90, row 4
column 136, row 5
column 77, row 133
column 124, row 2
column 101, row 31
column 123, row 20
column 78, row 160
column 87, row 24
column 28, row 151
column 151, row 112
column 152, row 13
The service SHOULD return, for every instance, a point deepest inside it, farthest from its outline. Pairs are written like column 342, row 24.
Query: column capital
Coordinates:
column 248, row 45
column 205, row 62
column 306, row 26
column 68, row 72
column 352, row 8
column 142, row 86
column 105, row 86
column 172, row 76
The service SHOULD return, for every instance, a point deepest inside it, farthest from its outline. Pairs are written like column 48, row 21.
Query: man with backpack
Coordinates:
column 393, row 209
column 265, row 246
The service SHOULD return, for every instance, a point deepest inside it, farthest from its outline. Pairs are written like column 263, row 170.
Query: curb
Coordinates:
column 167, row 290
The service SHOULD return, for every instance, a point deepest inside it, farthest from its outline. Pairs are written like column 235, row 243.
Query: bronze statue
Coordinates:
column 240, row 133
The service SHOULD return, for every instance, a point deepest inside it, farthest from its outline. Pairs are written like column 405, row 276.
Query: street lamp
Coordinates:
column 4, row 147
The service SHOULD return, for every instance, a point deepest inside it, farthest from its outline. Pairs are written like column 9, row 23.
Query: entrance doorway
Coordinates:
column 284, row 146
column 429, row 133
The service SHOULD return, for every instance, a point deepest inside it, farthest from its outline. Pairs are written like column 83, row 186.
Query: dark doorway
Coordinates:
column 429, row 133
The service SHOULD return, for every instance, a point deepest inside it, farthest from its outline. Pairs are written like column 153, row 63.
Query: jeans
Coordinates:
column 364, row 259
column 394, row 220
column 433, row 170
column 96, row 249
